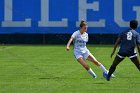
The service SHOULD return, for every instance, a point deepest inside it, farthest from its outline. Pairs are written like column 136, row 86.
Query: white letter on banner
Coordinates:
column 118, row 14
column 83, row 7
column 45, row 17
column 137, row 9
column 8, row 17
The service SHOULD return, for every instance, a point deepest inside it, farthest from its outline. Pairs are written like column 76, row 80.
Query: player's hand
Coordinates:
column 112, row 54
column 67, row 48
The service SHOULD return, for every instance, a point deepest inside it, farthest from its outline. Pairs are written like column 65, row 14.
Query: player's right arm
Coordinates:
column 138, row 43
column 115, row 46
column 68, row 44
column 138, row 47
column 71, row 39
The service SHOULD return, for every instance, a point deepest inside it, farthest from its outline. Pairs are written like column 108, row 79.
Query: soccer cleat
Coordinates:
column 113, row 76
column 106, row 76
column 94, row 76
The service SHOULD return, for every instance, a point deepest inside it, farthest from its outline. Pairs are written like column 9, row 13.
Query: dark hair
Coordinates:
column 82, row 23
column 133, row 24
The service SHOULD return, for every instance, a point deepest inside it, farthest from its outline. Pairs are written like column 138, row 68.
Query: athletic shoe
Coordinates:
column 106, row 76
column 113, row 76
column 94, row 76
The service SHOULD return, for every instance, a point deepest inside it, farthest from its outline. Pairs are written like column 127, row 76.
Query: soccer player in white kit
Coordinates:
column 80, row 38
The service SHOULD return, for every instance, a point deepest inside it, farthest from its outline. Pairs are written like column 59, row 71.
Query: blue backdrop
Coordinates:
column 45, row 16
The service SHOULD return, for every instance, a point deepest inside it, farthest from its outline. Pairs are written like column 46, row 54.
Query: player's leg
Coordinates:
column 116, row 61
column 96, row 62
column 136, row 61
column 83, row 63
column 86, row 66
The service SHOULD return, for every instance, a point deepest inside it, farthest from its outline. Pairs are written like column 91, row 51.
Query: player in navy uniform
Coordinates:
column 128, row 40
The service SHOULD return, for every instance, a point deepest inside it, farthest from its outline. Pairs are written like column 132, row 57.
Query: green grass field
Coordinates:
column 51, row 69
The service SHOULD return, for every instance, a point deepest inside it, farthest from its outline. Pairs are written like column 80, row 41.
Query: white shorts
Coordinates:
column 83, row 55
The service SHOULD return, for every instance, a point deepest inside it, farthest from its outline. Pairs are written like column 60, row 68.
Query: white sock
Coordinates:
column 90, row 71
column 103, row 68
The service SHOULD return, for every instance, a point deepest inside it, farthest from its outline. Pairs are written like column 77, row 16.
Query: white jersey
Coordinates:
column 80, row 41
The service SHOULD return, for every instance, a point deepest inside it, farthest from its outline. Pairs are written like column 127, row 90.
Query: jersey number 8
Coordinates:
column 129, row 35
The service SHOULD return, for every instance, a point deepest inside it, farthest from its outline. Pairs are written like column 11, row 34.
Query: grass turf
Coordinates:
column 51, row 69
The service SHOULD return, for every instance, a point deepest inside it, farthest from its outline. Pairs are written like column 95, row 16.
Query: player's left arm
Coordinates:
column 115, row 46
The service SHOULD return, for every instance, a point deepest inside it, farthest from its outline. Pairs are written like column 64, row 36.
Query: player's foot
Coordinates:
column 106, row 76
column 94, row 76
column 113, row 76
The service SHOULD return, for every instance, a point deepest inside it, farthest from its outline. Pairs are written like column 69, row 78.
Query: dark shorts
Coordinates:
column 130, row 54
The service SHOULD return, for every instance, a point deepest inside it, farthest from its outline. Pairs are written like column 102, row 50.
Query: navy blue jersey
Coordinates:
column 129, row 40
